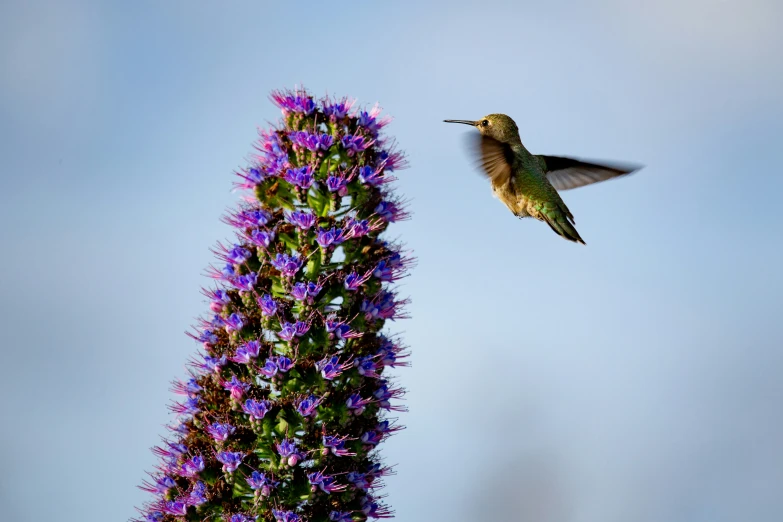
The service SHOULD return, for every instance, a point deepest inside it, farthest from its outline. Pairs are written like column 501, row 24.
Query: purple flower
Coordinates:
column 383, row 306
column 236, row 387
column 180, row 428
column 354, row 281
column 268, row 305
column 217, row 322
column 287, row 331
column 234, row 322
column 248, row 218
column 276, row 164
column 307, row 406
column 301, row 177
column 336, row 445
column 213, row 364
column 285, row 516
column 372, row 177
column 173, row 450
column 256, row 409
column 189, row 407
column 177, row 448
column 259, row 481
column 155, row 516
column 269, row 369
column 288, row 265
column 240, row 517
column 192, row 467
column 356, row 403
column 220, row 298
column 301, row 219
column 383, row 395
column 325, row 141
column 326, row 483
column 366, row 366
column 383, row 272
column 302, row 328
column 391, row 211
column 173, row 507
column 313, row 289
column 208, row 337
column 355, row 143
column 359, row 480
column 251, row 177
column 371, row 122
column 340, row 516
column 220, row 432
column 162, row 485
column 287, row 450
column 238, row 254
column 284, row 364
column 374, row 510
column 339, row 329
column 261, row 238
column 296, row 102
column 337, row 183
column 190, row 388
column 357, row 228
column 372, row 438
column 391, row 160
column 338, row 109
column 245, row 282
column 269, row 142
column 326, row 238
column 312, row 142
column 299, row 291
column 344, row 331
column 247, row 352
column 376, row 470
column 306, row 291
column 169, row 466
column 300, row 138
column 330, row 367
column 197, row 495
column 230, row 460
column 385, row 427
column 226, row 274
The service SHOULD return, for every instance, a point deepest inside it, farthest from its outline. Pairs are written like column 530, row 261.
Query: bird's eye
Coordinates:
column 484, row 123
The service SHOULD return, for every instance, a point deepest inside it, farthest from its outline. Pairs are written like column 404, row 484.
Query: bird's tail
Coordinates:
column 562, row 222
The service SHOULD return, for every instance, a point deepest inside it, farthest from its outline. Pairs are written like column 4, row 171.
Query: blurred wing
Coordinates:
column 567, row 173
column 495, row 158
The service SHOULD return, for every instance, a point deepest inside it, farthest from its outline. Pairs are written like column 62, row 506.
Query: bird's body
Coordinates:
column 528, row 184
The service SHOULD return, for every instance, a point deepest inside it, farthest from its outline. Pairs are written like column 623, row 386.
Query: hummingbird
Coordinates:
column 528, row 184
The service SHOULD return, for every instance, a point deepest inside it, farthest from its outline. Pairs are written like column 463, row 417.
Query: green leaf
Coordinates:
column 241, row 488
column 277, row 289
column 319, row 202
column 313, row 269
column 289, row 241
column 282, row 424
column 266, row 427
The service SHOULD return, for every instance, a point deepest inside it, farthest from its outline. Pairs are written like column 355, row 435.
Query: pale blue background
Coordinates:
column 635, row 379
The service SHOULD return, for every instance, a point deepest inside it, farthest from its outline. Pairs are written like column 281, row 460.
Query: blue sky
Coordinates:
column 636, row 378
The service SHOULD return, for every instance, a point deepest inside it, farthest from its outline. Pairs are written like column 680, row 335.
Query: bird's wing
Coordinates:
column 567, row 173
column 494, row 157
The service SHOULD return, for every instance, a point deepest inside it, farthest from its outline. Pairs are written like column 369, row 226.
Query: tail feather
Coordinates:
column 562, row 223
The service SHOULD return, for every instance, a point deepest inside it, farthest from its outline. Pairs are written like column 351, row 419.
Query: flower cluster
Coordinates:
column 289, row 397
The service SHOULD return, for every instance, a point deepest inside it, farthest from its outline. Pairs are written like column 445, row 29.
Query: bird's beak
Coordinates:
column 466, row 122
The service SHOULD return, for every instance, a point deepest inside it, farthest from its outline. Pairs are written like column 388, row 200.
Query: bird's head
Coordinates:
column 497, row 126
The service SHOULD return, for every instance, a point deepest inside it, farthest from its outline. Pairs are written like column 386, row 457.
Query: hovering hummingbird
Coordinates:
column 527, row 183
